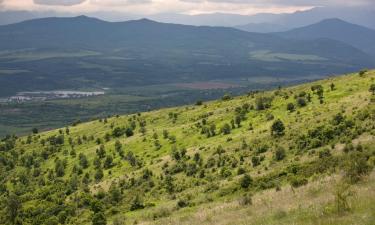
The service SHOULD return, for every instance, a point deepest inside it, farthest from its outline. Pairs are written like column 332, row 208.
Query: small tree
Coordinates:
column 225, row 129
column 99, row 219
column 290, row 107
column 277, row 128
column 372, row 89
column 35, row 130
column 246, row 181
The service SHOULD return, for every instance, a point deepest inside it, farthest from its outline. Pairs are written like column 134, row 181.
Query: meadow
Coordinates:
column 295, row 155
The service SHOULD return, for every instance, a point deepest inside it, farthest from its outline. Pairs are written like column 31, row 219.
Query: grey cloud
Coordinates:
column 59, row 2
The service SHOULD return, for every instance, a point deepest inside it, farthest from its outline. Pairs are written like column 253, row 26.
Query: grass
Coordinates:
column 214, row 197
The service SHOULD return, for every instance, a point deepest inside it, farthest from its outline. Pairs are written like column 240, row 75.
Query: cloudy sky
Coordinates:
column 147, row 7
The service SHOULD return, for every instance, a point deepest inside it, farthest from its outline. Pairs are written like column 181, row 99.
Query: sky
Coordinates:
column 149, row 7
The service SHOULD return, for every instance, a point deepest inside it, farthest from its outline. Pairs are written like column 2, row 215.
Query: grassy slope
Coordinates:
column 350, row 96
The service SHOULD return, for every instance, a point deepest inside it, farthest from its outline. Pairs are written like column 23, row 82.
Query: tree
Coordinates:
column 99, row 174
column 225, row 129
column 129, row 132
column 35, row 130
column 372, row 89
column 136, row 204
column 262, row 103
column 238, row 120
column 301, row 102
column 290, row 107
column 99, row 219
column 101, row 152
column 246, row 181
column 332, row 86
column 108, row 162
column 277, row 128
column 59, row 168
column 13, row 205
column 83, row 161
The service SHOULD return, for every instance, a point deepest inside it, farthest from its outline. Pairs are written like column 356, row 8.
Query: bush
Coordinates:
column 99, row 219
column 280, row 153
column 246, row 181
column 137, row 204
column 356, row 167
column 226, row 129
column 297, row 181
column 262, row 103
column 277, row 128
column 182, row 203
column 290, row 107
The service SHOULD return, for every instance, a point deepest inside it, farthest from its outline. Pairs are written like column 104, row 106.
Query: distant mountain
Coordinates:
column 360, row 37
column 262, row 27
column 364, row 16
column 64, row 53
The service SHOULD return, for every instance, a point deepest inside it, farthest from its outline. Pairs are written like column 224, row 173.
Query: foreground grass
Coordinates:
column 312, row 204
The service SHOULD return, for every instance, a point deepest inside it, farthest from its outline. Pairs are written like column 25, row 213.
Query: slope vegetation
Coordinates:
column 293, row 155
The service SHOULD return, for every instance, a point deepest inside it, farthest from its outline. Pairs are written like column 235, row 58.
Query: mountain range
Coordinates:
column 364, row 16
column 65, row 53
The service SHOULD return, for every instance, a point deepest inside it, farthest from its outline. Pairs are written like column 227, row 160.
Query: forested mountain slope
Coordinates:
column 300, row 155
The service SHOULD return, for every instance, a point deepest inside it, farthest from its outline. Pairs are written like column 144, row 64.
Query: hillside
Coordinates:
column 358, row 36
column 278, row 157
column 81, row 53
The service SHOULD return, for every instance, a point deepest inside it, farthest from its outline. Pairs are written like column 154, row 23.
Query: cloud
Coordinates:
column 290, row 2
column 59, row 2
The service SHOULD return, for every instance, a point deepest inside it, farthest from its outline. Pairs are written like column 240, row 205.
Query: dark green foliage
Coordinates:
column 246, row 181
column 372, row 89
column 277, row 128
column 301, row 102
column 99, row 219
column 99, row 174
column 290, row 107
column 83, row 161
column 13, row 206
column 356, row 167
column 263, row 102
column 255, row 160
column 298, row 181
column 136, row 203
column 59, row 168
column 226, row 129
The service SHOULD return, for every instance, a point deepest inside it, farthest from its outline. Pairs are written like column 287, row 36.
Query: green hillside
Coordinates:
column 299, row 155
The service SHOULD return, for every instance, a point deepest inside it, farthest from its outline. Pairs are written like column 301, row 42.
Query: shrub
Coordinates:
column 246, row 181
column 277, row 128
column 301, row 102
column 99, row 219
column 182, row 203
column 280, row 153
column 136, row 204
column 297, row 181
column 356, row 167
column 262, row 103
column 290, row 107
column 225, row 129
